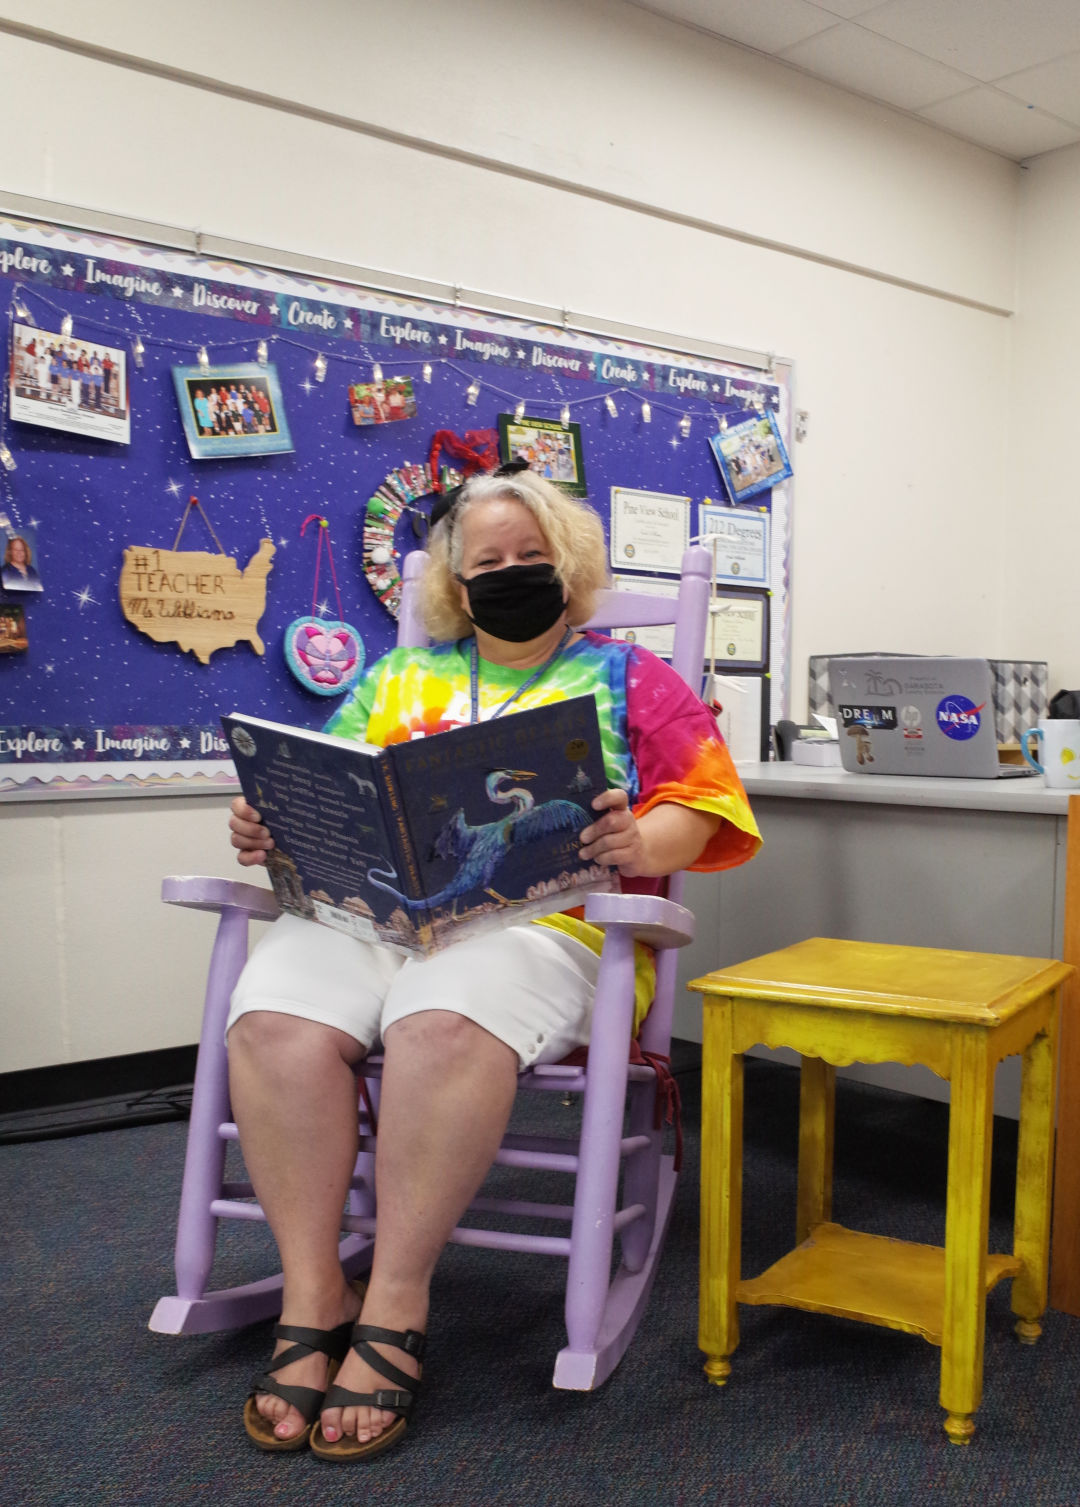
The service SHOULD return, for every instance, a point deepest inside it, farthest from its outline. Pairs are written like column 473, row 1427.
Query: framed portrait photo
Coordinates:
column 61, row 382
column 232, row 410
column 19, row 563
column 551, row 450
column 751, row 456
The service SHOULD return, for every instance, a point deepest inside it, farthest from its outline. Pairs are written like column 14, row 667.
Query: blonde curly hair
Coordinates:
column 572, row 529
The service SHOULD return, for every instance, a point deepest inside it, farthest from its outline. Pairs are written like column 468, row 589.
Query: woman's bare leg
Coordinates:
column 447, row 1091
column 294, row 1099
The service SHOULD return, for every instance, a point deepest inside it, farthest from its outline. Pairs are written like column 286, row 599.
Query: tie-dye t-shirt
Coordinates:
column 660, row 741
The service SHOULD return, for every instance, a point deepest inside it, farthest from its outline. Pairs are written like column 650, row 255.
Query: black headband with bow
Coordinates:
column 448, row 500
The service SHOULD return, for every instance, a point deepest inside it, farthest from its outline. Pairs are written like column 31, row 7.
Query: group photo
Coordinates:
column 231, row 410
column 62, row 382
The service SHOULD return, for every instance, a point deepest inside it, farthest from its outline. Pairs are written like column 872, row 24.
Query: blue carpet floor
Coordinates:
column 819, row 1411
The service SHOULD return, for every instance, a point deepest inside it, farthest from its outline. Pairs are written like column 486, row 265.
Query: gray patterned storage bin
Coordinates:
column 1021, row 691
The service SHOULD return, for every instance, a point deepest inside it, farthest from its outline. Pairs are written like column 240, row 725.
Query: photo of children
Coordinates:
column 550, row 449
column 13, row 639
column 61, row 382
column 382, row 402
column 751, row 456
column 231, row 410
column 18, row 560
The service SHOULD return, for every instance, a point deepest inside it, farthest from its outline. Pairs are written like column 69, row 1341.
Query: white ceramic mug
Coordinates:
column 1059, row 745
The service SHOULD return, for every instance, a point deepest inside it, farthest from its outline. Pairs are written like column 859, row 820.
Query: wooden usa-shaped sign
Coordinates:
column 195, row 599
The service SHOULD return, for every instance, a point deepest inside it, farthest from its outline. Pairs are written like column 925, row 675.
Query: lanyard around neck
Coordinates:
column 474, row 679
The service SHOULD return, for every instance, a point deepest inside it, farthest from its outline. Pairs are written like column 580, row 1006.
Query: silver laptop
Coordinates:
column 921, row 716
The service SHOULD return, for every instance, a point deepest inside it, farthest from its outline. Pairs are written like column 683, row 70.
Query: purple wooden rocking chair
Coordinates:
column 602, row 1312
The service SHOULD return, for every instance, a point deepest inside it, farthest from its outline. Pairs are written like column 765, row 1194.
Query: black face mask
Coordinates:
column 516, row 603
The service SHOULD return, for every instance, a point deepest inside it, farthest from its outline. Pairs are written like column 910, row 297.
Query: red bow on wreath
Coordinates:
column 477, row 450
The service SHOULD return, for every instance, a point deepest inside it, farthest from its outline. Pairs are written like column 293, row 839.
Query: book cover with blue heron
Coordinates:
column 422, row 844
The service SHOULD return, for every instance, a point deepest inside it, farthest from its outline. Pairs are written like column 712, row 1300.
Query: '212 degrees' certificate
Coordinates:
column 739, row 539
column 649, row 530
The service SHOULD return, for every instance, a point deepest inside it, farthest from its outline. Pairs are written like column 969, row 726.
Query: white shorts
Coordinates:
column 530, row 986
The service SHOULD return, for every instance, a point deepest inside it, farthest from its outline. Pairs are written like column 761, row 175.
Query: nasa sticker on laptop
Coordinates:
column 958, row 717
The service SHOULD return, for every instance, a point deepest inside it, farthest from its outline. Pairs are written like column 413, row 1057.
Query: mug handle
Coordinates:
column 1031, row 732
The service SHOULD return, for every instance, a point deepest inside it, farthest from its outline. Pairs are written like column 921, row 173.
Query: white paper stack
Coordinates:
column 822, row 753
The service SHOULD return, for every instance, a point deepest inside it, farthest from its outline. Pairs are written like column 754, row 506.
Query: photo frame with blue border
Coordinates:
column 751, row 456
column 246, row 378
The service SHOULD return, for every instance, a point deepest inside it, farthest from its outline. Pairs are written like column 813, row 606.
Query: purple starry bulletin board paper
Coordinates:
column 93, row 698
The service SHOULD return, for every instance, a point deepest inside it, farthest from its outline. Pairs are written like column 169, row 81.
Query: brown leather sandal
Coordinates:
column 399, row 1401
column 333, row 1343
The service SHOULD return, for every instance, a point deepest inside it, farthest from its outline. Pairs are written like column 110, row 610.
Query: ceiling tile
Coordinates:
column 1051, row 86
column 1004, row 125
column 766, row 25
column 988, row 39
column 875, row 66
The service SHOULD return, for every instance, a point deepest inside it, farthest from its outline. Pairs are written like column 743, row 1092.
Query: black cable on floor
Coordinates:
column 115, row 1113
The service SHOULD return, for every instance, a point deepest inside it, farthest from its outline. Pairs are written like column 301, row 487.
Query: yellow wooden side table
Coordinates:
column 835, row 1002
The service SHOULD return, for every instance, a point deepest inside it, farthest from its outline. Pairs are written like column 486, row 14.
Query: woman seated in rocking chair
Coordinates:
column 514, row 568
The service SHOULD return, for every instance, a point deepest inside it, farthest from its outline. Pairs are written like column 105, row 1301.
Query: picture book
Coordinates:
column 422, row 844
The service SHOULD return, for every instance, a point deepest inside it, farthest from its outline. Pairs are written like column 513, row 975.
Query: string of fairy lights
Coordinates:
column 138, row 341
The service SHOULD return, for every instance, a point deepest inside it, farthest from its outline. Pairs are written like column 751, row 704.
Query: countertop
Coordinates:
column 803, row 782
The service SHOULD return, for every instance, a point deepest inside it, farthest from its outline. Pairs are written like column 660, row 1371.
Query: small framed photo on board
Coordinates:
column 13, row 639
column 382, row 402
column 18, row 558
column 551, row 450
column 60, row 382
column 232, row 410
column 751, row 456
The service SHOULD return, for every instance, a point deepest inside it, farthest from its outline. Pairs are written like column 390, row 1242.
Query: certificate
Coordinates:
column 739, row 540
column 649, row 530
column 743, row 709
column 661, row 640
column 739, row 630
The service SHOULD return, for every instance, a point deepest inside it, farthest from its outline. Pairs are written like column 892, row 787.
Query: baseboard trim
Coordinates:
column 99, row 1078
column 144, row 1072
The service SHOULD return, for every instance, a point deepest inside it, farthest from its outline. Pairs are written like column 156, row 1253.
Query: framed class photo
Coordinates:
column 59, row 382
column 232, row 410
column 751, row 456
column 552, row 450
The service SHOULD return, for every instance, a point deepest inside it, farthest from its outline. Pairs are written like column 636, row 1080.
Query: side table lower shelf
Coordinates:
column 894, row 1283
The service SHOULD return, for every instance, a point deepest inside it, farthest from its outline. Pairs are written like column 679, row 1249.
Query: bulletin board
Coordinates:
column 93, row 702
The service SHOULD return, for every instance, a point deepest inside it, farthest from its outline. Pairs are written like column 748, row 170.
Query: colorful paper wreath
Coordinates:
column 476, row 450
column 325, row 657
column 401, row 489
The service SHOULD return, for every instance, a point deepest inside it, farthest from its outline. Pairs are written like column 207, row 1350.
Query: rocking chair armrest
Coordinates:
column 200, row 892
column 652, row 919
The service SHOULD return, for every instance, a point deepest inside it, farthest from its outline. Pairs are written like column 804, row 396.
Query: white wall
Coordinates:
column 1041, row 526
column 901, row 493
